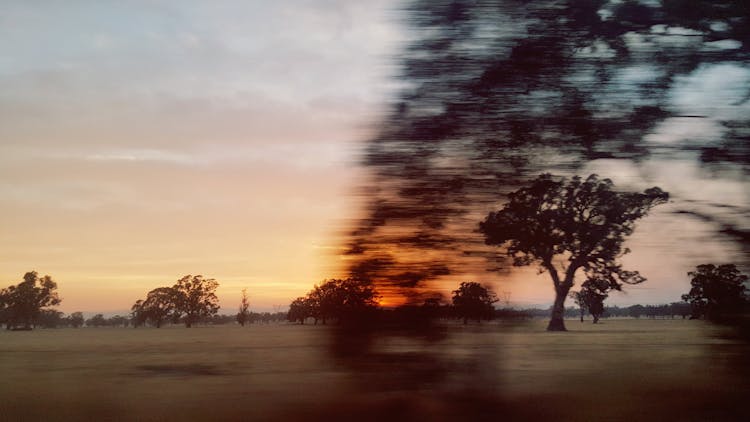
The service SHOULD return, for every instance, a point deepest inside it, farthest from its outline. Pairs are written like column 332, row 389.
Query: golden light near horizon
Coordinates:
column 142, row 144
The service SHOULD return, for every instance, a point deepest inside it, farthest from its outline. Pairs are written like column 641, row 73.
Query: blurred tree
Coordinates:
column 593, row 293
column 473, row 301
column 195, row 298
column 243, row 315
column 50, row 318
column 717, row 291
column 565, row 226
column 579, row 300
column 96, row 321
column 75, row 319
column 117, row 321
column 300, row 309
column 137, row 314
column 23, row 303
column 495, row 92
column 636, row 311
column 682, row 309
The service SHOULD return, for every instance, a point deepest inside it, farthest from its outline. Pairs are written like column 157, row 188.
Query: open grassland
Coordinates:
column 618, row 370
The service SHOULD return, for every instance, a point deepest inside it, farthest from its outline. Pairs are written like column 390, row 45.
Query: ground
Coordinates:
column 618, row 370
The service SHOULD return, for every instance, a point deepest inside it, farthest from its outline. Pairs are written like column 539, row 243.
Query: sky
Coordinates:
column 143, row 141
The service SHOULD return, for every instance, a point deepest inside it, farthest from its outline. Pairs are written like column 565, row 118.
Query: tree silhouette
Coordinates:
column 300, row 309
column 196, row 298
column 345, row 300
column 565, row 226
column 50, row 318
column 75, row 319
column 591, row 297
column 473, row 301
column 96, row 321
column 498, row 91
column 717, row 291
column 22, row 304
column 579, row 300
column 243, row 315
column 160, row 304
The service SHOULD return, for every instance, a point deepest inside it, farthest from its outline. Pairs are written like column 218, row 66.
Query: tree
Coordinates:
column 498, row 91
column 243, row 315
column 117, row 321
column 75, row 319
column 96, row 321
column 23, row 303
column 580, row 301
column 591, row 297
column 473, row 301
column 50, row 318
column 137, row 314
column 196, row 298
column 717, row 291
column 159, row 305
column 565, row 226
column 300, row 309
column 345, row 300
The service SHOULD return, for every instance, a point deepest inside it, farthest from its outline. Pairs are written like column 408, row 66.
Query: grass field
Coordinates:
column 617, row 370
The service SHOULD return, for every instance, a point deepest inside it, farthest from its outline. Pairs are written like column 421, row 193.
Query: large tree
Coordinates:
column 196, row 298
column 473, row 301
column 345, row 300
column 498, row 91
column 570, row 225
column 160, row 305
column 23, row 303
column 716, row 291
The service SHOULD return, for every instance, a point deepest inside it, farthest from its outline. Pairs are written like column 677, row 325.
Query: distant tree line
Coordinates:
column 718, row 293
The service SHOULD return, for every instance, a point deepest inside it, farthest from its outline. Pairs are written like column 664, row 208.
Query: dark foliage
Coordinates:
column 22, row 305
column 195, row 298
column 473, row 301
column 497, row 91
column 567, row 225
column 717, row 292
column 348, row 301
column 243, row 315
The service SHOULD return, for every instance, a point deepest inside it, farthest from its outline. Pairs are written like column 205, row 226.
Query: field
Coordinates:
column 618, row 370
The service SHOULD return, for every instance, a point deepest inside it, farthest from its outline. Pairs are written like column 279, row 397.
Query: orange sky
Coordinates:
column 139, row 144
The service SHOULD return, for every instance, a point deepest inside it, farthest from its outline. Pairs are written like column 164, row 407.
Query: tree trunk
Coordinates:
column 556, row 322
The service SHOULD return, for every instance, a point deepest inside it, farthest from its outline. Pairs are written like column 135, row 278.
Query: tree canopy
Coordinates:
column 566, row 225
column 495, row 92
column 473, row 301
column 160, row 306
column 21, row 305
column 591, row 297
column 344, row 300
column 716, row 291
column 191, row 298
column 196, row 298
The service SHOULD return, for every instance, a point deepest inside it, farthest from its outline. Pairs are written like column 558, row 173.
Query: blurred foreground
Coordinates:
column 618, row 370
